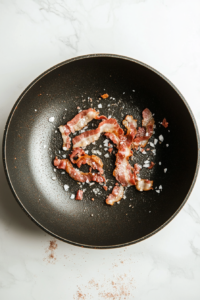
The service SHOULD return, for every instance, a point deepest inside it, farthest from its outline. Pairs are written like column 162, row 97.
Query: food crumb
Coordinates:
column 165, row 123
column 104, row 96
column 92, row 199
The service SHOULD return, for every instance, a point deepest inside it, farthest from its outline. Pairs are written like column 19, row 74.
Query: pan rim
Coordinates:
column 20, row 98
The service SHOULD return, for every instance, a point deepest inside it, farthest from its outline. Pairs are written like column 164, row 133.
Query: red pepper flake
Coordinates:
column 110, row 150
column 92, row 199
column 165, row 123
column 116, row 183
column 148, row 149
column 105, row 188
column 104, row 96
column 151, row 165
column 79, row 195
column 78, row 107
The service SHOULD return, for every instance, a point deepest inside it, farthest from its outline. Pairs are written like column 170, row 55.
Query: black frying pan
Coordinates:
column 28, row 163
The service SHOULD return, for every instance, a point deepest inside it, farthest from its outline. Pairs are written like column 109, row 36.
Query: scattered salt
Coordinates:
column 66, row 187
column 91, row 215
column 64, row 148
column 144, row 152
column 56, row 131
column 106, row 155
column 155, row 141
column 54, row 170
column 165, row 170
column 118, row 202
column 160, row 163
column 62, row 173
column 86, row 151
column 161, row 138
column 158, row 191
column 160, row 187
column 167, row 145
column 64, row 155
column 53, row 178
column 151, row 144
column 153, row 151
column 99, row 105
column 35, row 109
column 51, row 120
column 72, row 196
column 109, row 117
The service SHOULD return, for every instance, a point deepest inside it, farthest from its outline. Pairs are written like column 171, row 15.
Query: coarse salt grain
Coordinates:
column 72, row 196
column 106, row 155
column 155, row 141
column 146, row 165
column 109, row 117
column 158, row 191
column 160, row 187
column 160, row 163
column 144, row 152
column 99, row 105
column 161, row 138
column 153, row 151
column 53, row 178
column 118, row 202
column 66, row 187
column 165, row 170
column 54, row 170
column 35, row 109
column 151, row 144
column 62, row 173
column 51, row 120
column 64, row 148
column 167, row 145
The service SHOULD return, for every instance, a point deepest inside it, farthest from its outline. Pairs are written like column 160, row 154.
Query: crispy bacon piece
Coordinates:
column 116, row 195
column 144, row 185
column 77, row 123
column 79, row 195
column 144, row 133
column 93, row 135
column 92, row 160
column 104, row 96
column 152, row 164
column 165, row 123
column 76, row 174
column 124, row 172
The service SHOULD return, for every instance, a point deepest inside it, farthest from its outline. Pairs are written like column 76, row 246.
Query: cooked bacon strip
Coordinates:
column 144, row 185
column 145, row 132
column 93, row 135
column 165, row 123
column 92, row 160
column 116, row 195
column 76, row 174
column 79, row 195
column 124, row 172
column 77, row 123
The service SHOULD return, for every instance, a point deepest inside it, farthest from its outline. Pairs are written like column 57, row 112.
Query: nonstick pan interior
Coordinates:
column 31, row 142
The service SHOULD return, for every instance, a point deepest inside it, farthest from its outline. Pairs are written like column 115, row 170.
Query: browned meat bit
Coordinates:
column 105, row 188
column 110, row 150
column 92, row 199
column 151, row 165
column 104, row 96
column 165, row 123
column 79, row 195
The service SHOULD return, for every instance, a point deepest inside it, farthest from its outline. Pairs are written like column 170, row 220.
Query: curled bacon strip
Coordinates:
column 76, row 174
column 144, row 133
column 124, row 172
column 92, row 160
column 91, row 136
column 77, row 123
column 116, row 195
column 144, row 185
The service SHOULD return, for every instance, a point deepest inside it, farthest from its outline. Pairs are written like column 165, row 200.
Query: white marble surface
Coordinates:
column 36, row 34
